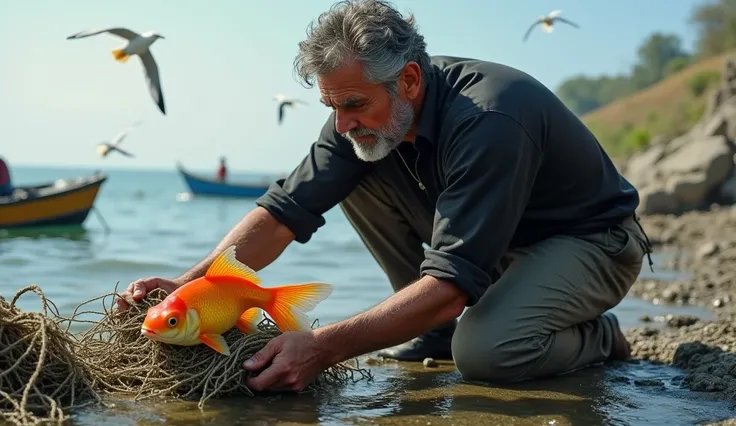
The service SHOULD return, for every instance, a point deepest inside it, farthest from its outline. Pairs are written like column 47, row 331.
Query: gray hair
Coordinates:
column 370, row 31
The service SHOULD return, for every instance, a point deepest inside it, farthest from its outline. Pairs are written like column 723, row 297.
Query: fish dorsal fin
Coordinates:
column 227, row 266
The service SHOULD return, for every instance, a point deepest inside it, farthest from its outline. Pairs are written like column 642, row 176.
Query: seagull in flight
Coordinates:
column 547, row 22
column 285, row 101
column 137, row 44
column 104, row 148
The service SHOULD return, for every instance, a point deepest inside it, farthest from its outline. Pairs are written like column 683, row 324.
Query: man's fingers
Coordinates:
column 145, row 286
column 139, row 290
column 264, row 356
column 152, row 283
column 122, row 304
column 266, row 379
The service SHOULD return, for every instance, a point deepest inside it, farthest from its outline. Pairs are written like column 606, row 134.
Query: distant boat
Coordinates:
column 63, row 202
column 199, row 185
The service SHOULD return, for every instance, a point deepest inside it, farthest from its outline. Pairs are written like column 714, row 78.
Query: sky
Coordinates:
column 223, row 61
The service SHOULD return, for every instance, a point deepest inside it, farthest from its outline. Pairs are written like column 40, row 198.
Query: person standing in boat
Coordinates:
column 6, row 186
column 222, row 171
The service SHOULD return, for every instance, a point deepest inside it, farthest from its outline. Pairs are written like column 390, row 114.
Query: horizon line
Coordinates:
column 132, row 168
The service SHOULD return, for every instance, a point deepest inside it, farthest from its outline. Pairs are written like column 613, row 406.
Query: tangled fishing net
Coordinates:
column 40, row 378
column 46, row 366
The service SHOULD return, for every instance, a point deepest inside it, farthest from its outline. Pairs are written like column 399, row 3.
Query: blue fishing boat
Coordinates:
column 200, row 185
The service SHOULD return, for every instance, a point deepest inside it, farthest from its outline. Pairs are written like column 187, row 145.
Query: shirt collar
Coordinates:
column 428, row 126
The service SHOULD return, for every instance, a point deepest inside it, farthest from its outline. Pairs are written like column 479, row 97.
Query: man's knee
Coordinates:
column 494, row 355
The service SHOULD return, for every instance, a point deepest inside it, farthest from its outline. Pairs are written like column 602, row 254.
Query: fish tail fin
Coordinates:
column 120, row 55
column 290, row 303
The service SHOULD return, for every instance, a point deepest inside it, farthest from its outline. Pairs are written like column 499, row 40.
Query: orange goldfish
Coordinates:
column 229, row 295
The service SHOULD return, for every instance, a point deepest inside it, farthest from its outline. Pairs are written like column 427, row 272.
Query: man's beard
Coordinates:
column 387, row 137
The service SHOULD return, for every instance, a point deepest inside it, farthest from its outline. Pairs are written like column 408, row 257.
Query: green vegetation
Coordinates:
column 665, row 93
column 702, row 81
column 659, row 56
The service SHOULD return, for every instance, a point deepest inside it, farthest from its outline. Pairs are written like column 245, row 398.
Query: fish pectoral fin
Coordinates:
column 216, row 342
column 248, row 321
column 226, row 266
column 120, row 55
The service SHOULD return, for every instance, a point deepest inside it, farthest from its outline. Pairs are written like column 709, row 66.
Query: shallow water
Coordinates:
column 156, row 231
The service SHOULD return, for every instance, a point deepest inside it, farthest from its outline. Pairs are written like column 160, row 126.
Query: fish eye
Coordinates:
column 172, row 321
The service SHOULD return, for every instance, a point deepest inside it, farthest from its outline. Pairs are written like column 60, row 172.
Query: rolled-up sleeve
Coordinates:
column 491, row 163
column 328, row 174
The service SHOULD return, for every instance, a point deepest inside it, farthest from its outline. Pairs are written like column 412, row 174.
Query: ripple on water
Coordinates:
column 645, row 393
column 410, row 394
column 118, row 264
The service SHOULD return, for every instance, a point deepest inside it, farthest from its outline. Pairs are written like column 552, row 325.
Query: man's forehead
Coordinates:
column 341, row 101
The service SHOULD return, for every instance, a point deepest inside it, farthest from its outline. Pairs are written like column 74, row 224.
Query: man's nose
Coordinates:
column 344, row 123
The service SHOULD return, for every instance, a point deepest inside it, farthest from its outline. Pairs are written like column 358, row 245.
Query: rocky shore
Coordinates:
column 687, row 187
column 703, row 245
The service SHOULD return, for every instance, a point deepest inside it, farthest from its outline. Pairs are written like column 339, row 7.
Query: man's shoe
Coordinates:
column 435, row 344
column 621, row 348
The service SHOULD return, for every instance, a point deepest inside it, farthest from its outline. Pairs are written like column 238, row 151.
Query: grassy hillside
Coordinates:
column 669, row 107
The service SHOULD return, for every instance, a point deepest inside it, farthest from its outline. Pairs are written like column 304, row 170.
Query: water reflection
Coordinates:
column 72, row 233
column 410, row 394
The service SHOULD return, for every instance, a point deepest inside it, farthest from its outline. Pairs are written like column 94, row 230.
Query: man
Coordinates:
column 222, row 171
column 528, row 223
column 6, row 185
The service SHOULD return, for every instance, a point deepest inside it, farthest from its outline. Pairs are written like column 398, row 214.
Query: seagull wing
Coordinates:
column 152, row 78
column 281, row 111
column 120, row 32
column 125, row 153
column 554, row 13
column 529, row 31
column 568, row 22
column 120, row 136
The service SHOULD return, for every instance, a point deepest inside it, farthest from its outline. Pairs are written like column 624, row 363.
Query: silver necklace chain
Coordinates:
column 421, row 185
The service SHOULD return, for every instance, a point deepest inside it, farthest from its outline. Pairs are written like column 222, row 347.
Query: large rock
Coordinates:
column 694, row 169
column 640, row 169
column 709, row 154
column 692, row 172
column 655, row 199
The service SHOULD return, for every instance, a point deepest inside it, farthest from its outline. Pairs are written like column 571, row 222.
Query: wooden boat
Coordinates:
column 199, row 185
column 63, row 202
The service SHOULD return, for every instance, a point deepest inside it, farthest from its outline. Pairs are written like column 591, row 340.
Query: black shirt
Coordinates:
column 503, row 163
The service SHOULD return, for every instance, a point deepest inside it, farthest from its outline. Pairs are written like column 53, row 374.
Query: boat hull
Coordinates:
column 50, row 205
column 199, row 185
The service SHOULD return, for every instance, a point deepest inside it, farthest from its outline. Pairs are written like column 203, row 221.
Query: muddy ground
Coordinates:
column 702, row 244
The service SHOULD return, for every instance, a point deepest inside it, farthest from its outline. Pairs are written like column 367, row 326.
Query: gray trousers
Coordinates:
column 545, row 310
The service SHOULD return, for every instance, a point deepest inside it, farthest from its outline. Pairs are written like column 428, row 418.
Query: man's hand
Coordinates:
column 296, row 361
column 138, row 289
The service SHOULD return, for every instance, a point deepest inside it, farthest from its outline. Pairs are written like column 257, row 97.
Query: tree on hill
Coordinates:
column 655, row 55
column 716, row 26
column 659, row 55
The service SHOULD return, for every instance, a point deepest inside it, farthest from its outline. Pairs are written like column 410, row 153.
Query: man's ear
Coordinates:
column 410, row 80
